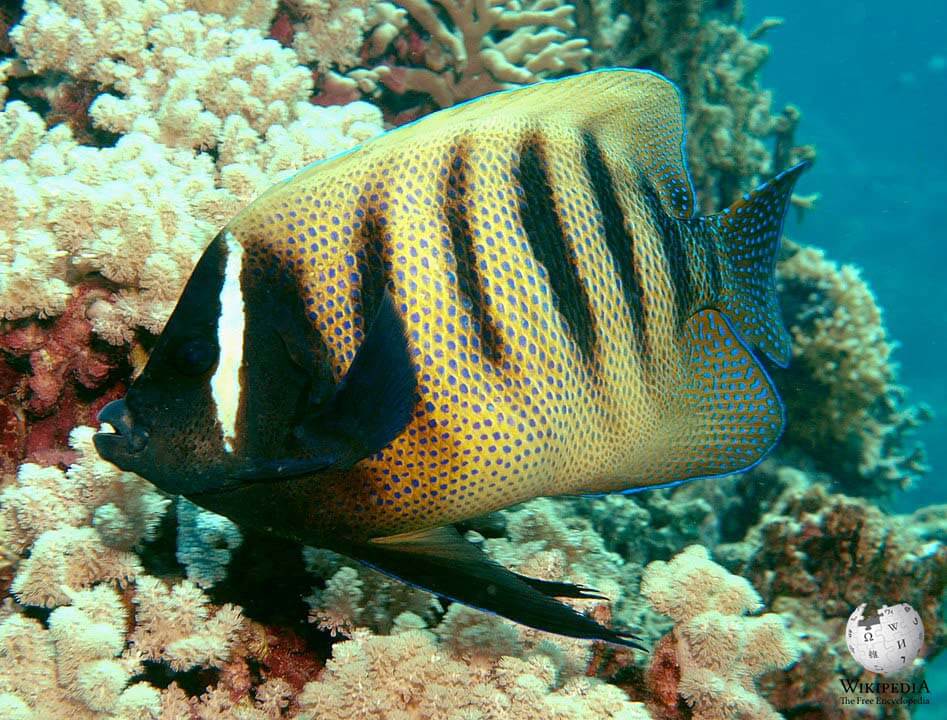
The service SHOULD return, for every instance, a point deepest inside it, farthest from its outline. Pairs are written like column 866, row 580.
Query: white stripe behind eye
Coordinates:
column 225, row 384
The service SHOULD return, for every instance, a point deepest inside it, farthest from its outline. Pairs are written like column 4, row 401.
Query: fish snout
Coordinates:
column 118, row 436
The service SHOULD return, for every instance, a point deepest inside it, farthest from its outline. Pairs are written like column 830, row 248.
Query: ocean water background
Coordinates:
column 871, row 80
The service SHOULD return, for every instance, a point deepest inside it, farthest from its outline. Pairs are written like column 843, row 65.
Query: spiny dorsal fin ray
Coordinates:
column 749, row 232
column 441, row 561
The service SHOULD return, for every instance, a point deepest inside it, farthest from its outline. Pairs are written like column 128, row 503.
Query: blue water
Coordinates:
column 871, row 80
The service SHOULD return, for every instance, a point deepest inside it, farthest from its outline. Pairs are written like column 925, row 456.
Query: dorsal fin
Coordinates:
column 636, row 116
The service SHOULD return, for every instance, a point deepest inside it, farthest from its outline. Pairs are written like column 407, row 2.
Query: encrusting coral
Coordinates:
column 793, row 554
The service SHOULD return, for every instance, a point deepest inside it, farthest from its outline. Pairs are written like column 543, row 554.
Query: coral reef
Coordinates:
column 102, row 511
column 845, row 407
column 147, row 206
column 196, row 113
column 814, row 556
column 538, row 540
column 702, row 48
column 205, row 543
column 425, row 54
column 331, row 33
column 444, row 51
column 76, row 667
column 132, row 131
column 354, row 596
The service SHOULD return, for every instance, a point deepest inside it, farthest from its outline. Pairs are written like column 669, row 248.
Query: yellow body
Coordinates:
column 536, row 415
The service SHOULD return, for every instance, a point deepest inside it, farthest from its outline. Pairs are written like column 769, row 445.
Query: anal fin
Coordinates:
column 443, row 562
column 724, row 417
column 729, row 416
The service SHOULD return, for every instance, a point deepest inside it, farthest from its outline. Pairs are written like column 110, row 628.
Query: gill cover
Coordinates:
column 239, row 387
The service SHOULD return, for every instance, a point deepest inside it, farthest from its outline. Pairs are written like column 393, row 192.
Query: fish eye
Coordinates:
column 195, row 357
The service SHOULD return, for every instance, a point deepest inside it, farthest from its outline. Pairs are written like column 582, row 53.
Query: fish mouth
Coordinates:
column 118, row 437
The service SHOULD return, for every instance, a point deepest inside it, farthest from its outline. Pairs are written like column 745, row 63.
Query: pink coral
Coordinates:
column 69, row 375
column 62, row 352
column 287, row 657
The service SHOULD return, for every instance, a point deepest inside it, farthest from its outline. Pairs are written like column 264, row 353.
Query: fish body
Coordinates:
column 507, row 299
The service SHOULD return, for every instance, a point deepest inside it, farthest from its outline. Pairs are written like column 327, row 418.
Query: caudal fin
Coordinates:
column 749, row 239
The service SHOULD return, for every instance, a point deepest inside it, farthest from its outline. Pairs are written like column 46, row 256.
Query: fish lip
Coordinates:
column 126, row 439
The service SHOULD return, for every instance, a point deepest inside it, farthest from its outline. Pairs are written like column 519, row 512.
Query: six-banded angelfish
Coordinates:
column 506, row 299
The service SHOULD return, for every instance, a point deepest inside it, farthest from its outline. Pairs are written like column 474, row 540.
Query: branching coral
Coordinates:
column 719, row 652
column 475, row 47
column 845, row 407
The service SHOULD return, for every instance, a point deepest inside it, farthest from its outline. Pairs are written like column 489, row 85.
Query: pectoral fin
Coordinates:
column 441, row 561
column 372, row 403
column 338, row 424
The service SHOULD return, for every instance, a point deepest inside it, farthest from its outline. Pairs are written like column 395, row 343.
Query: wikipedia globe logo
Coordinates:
column 886, row 641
